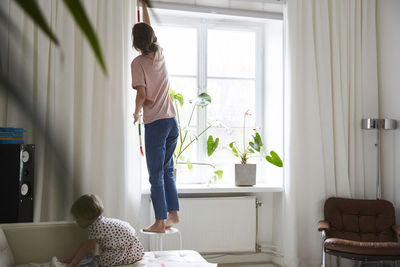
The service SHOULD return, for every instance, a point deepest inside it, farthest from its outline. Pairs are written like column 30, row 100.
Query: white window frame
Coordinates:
column 202, row 26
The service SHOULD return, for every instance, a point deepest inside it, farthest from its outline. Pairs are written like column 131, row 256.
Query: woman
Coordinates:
column 150, row 80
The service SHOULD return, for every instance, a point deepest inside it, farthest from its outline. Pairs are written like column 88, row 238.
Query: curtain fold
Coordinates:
column 84, row 110
column 331, row 84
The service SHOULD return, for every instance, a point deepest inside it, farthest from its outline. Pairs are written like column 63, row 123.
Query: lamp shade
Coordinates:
column 388, row 124
column 384, row 124
column 369, row 124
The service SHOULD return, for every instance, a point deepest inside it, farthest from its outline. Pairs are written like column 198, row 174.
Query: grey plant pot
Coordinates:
column 245, row 174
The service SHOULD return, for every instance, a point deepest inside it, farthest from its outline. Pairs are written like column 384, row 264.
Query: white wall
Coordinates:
column 388, row 31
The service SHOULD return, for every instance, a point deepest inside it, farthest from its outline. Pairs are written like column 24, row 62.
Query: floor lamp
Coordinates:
column 378, row 124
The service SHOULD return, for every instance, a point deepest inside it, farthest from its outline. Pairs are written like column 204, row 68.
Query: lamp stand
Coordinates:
column 378, row 124
column 378, row 164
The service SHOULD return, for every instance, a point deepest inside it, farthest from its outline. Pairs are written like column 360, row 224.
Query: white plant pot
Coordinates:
column 245, row 174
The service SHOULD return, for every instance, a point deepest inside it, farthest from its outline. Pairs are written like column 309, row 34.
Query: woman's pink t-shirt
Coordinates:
column 153, row 75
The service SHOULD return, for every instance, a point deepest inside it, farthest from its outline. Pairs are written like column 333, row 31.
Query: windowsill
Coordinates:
column 221, row 188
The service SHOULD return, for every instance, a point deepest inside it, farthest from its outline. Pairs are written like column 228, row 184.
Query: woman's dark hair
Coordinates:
column 145, row 40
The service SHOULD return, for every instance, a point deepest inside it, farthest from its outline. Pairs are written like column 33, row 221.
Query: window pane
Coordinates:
column 187, row 87
column 179, row 48
column 199, row 174
column 230, row 100
column 184, row 175
column 231, row 53
column 224, row 154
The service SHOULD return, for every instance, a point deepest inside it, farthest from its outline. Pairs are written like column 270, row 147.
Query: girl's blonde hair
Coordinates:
column 88, row 207
column 145, row 40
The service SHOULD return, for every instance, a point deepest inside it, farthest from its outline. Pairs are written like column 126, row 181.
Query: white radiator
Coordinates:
column 214, row 225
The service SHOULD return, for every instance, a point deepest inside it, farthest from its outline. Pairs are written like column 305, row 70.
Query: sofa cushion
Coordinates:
column 6, row 256
column 38, row 242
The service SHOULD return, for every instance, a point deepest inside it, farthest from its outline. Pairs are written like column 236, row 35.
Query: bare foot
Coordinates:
column 172, row 219
column 157, row 227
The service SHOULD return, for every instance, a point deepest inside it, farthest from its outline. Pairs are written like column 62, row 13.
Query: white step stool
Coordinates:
column 160, row 237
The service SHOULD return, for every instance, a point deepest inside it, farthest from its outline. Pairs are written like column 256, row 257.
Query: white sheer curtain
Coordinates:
column 331, row 84
column 84, row 110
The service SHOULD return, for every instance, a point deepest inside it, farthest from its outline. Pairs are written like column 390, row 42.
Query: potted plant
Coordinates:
column 245, row 173
column 187, row 138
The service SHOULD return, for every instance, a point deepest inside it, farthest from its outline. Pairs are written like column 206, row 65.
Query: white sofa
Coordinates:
column 38, row 242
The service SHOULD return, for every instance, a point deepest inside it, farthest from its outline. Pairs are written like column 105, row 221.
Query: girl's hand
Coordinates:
column 67, row 260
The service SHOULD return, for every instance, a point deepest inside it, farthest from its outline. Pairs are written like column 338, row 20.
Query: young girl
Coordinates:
column 150, row 79
column 117, row 239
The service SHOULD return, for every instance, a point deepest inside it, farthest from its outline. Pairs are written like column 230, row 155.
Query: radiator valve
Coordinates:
column 259, row 204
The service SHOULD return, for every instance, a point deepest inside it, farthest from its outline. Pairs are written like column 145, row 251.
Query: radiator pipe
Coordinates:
column 258, row 204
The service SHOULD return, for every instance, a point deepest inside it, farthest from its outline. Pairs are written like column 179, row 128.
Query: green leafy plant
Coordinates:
column 253, row 148
column 31, row 8
column 186, row 138
column 17, row 91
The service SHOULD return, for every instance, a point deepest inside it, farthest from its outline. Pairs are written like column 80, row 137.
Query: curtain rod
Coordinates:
column 218, row 10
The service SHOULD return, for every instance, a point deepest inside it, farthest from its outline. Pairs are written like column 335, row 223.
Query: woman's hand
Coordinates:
column 137, row 116
column 146, row 17
column 140, row 98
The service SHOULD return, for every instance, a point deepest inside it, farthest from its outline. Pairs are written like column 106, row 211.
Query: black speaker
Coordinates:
column 16, row 182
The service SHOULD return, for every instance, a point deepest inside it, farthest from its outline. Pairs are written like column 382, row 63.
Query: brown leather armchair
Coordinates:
column 362, row 230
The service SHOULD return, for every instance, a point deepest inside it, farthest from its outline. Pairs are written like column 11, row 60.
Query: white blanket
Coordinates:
column 87, row 262
column 173, row 258
column 169, row 258
column 53, row 263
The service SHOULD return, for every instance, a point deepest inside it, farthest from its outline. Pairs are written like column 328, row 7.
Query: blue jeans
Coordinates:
column 161, row 137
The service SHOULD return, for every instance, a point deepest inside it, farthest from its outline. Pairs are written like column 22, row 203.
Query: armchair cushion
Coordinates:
column 363, row 248
column 360, row 220
column 323, row 225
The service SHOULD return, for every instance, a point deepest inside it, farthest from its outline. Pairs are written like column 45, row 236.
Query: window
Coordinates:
column 238, row 62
